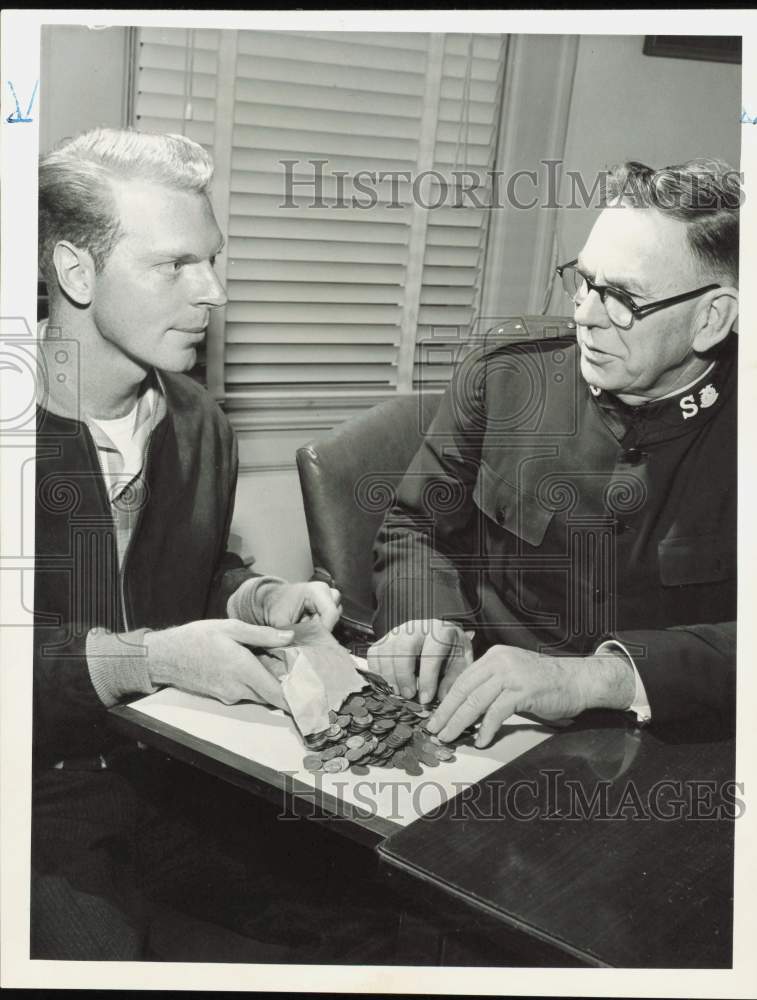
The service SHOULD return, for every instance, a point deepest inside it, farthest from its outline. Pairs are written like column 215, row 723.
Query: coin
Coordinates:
column 316, row 740
column 312, row 762
column 336, row 765
column 412, row 764
column 355, row 741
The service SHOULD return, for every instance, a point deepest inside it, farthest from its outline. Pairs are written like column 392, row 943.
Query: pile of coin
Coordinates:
column 379, row 728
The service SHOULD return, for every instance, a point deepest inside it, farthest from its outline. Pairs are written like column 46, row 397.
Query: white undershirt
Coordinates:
column 121, row 432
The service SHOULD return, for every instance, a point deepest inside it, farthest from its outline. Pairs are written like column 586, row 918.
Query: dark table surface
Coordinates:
column 641, row 878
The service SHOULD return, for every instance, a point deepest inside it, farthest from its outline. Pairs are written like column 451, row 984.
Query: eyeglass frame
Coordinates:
column 637, row 312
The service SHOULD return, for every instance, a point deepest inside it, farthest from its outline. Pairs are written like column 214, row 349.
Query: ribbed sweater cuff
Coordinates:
column 243, row 602
column 117, row 663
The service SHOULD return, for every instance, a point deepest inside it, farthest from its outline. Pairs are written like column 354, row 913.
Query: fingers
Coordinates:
column 464, row 705
column 500, row 709
column 394, row 656
column 456, row 663
column 459, row 660
column 260, row 636
column 263, row 686
column 324, row 601
column 438, row 646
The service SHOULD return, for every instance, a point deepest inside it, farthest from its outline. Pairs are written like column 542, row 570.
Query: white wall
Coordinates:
column 628, row 106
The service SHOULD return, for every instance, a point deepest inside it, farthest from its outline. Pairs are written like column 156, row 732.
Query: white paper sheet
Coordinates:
column 269, row 737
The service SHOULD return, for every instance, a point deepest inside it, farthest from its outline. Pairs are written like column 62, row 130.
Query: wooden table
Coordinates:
column 636, row 890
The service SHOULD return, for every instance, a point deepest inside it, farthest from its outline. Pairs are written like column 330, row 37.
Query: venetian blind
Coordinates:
column 325, row 295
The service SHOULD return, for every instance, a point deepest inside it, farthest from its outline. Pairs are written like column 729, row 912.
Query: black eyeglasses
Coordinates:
column 620, row 307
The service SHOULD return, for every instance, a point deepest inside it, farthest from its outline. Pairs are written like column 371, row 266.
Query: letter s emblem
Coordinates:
column 688, row 407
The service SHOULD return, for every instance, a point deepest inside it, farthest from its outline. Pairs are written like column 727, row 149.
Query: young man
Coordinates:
column 136, row 474
column 587, row 529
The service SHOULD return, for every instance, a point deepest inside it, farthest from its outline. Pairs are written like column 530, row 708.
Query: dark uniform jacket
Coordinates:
column 174, row 570
column 550, row 517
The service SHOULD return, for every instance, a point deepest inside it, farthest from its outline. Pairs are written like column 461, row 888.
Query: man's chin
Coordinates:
column 181, row 362
column 601, row 376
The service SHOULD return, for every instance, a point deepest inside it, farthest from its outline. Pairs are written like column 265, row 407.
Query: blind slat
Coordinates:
column 301, row 250
column 288, row 291
column 329, row 75
column 375, row 124
column 288, row 94
column 313, row 374
column 310, row 333
column 318, row 353
column 317, row 271
column 311, row 312
column 290, row 141
column 318, row 50
column 174, row 57
column 294, row 227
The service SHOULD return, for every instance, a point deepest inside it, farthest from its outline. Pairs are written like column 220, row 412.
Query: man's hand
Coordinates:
column 208, row 658
column 439, row 645
column 284, row 604
column 507, row 680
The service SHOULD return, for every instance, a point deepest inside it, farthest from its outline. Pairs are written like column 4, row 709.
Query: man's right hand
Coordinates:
column 209, row 658
column 438, row 644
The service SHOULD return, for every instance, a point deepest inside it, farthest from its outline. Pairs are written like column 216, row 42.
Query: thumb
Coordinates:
column 321, row 600
column 260, row 636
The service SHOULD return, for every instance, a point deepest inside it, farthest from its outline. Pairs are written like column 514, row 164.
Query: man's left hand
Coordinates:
column 507, row 679
column 283, row 604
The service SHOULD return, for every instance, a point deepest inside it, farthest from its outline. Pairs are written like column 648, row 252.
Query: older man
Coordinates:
column 587, row 529
column 136, row 473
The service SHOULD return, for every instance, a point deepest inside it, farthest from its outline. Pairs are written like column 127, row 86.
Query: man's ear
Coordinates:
column 76, row 272
column 715, row 317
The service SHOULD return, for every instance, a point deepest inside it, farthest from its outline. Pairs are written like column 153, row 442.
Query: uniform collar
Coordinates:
column 676, row 413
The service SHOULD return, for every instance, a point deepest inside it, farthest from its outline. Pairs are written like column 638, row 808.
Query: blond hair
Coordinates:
column 76, row 200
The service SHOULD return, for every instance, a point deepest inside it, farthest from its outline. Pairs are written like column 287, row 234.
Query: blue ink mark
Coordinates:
column 747, row 119
column 17, row 115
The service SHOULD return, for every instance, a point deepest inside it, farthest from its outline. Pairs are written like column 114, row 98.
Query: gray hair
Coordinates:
column 76, row 200
column 705, row 193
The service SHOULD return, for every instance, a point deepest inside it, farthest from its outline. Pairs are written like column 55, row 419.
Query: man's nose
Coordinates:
column 210, row 291
column 591, row 312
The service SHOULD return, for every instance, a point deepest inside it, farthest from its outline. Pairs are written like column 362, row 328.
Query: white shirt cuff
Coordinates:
column 640, row 704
